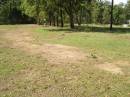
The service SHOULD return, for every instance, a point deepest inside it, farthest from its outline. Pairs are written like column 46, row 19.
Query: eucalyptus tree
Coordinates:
column 128, row 10
column 101, row 10
column 60, row 11
column 50, row 9
column 106, row 12
column 119, row 15
column 111, row 20
column 31, row 8
column 71, row 7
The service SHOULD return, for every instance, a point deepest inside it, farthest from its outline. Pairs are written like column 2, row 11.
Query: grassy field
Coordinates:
column 109, row 45
column 30, row 65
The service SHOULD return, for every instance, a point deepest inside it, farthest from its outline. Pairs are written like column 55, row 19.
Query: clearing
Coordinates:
column 38, row 61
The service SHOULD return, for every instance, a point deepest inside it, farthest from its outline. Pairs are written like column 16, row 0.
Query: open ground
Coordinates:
column 37, row 61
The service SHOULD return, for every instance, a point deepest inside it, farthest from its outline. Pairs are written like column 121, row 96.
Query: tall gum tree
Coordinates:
column 71, row 7
column 111, row 21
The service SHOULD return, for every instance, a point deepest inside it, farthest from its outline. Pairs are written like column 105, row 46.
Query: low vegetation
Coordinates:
column 103, row 73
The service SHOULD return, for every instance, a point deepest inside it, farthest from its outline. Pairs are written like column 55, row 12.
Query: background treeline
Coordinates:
column 58, row 12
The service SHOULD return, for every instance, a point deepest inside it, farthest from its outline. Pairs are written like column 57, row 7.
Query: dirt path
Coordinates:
column 54, row 53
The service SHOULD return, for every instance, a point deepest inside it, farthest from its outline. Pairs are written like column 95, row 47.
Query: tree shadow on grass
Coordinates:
column 100, row 29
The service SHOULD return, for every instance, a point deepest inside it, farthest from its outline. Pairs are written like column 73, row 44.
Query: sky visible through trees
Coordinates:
column 119, row 1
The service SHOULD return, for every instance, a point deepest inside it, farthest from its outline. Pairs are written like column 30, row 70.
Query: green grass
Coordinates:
column 108, row 45
column 26, row 75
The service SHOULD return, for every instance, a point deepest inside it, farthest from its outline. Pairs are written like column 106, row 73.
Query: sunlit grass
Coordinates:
column 111, row 45
column 26, row 75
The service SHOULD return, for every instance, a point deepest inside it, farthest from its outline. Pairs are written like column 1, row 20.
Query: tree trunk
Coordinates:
column 111, row 21
column 54, row 21
column 79, row 20
column 50, row 20
column 61, row 18
column 71, row 16
column 57, row 20
column 37, row 11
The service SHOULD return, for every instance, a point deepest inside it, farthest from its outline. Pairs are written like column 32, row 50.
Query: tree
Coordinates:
column 119, row 16
column 10, row 12
column 106, row 13
column 72, row 7
column 128, row 10
column 111, row 21
column 59, row 11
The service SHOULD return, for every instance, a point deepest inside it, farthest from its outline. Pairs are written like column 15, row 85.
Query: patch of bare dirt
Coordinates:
column 54, row 53
column 111, row 67
column 122, row 63
column 63, row 53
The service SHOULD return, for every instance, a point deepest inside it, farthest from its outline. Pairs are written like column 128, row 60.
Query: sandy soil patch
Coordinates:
column 54, row 53
column 110, row 67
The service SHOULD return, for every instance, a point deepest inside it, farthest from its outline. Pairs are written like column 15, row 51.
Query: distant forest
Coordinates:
column 59, row 12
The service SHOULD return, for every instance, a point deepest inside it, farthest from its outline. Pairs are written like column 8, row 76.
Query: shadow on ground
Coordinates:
column 120, row 30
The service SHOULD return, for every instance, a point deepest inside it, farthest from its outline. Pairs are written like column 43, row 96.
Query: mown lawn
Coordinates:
column 25, row 75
